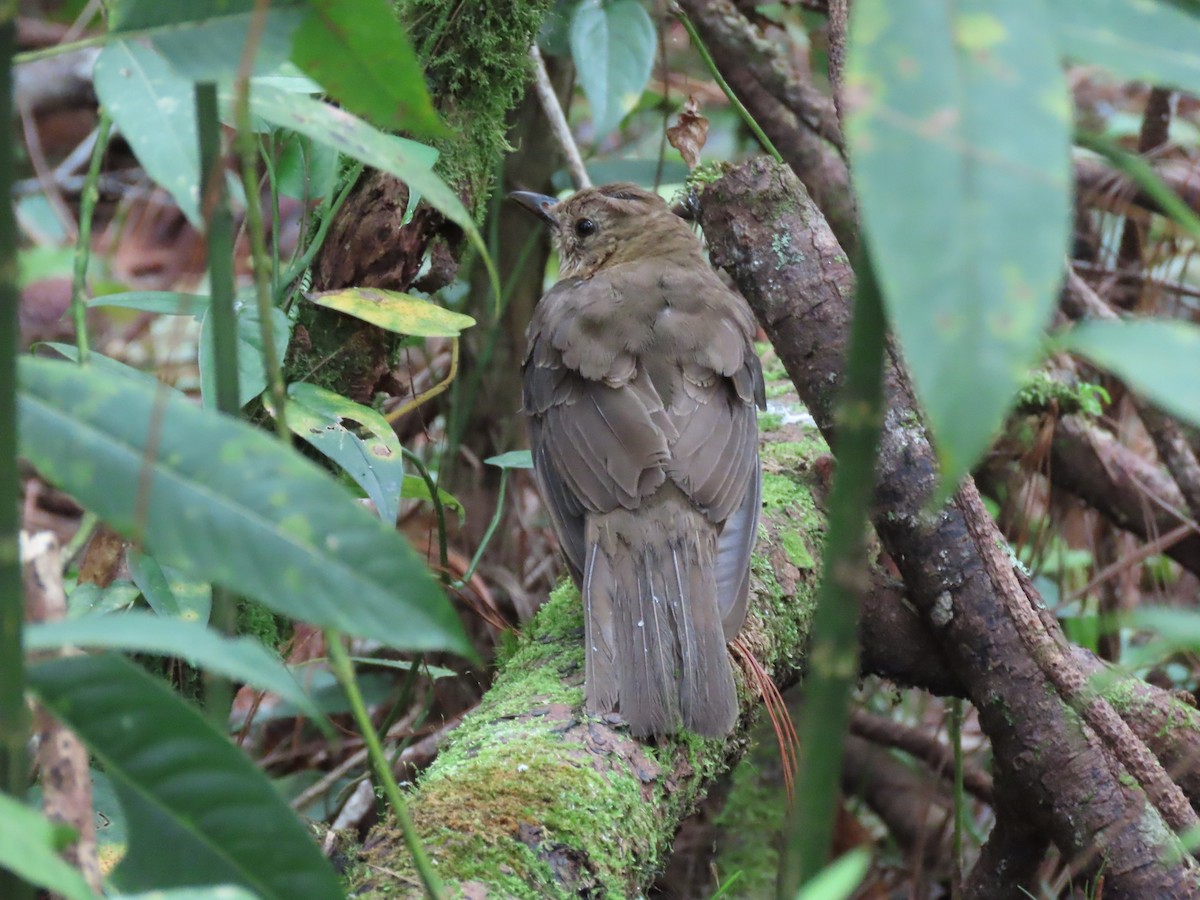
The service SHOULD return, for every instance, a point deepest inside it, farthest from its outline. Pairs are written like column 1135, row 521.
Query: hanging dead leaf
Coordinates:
column 689, row 133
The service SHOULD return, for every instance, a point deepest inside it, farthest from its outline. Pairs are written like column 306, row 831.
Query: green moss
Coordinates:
column 476, row 62
column 751, row 822
column 1042, row 392
column 706, row 173
column 769, row 421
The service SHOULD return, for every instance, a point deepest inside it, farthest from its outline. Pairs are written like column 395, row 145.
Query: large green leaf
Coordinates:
column 226, row 503
column 1139, row 40
column 154, row 109
column 960, row 138
column 613, row 46
column 1159, row 358
column 252, row 370
column 351, row 136
column 204, row 39
column 29, row 845
column 363, row 58
column 217, row 819
column 374, row 460
column 241, row 659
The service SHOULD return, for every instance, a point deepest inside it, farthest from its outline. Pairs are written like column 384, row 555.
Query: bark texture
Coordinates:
column 1071, row 783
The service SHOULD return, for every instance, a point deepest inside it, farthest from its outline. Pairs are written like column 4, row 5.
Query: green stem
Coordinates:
column 300, row 266
column 218, row 229
column 439, row 511
column 247, row 149
column 343, row 670
column 833, row 654
column 724, row 85
column 1143, row 175
column 83, row 247
column 14, row 715
column 487, row 535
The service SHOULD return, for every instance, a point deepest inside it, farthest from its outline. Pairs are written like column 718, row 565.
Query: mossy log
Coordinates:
column 533, row 798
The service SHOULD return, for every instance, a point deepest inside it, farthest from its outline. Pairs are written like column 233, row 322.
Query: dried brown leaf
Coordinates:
column 689, row 133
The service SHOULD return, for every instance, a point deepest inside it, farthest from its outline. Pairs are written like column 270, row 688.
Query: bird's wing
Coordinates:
column 716, row 384
column 599, row 432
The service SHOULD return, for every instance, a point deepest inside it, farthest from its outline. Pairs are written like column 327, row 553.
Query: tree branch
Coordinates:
column 1075, row 791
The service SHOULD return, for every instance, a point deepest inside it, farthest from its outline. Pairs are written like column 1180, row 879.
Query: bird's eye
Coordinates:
column 584, row 227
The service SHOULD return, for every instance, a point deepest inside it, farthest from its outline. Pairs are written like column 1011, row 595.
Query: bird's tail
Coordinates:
column 655, row 647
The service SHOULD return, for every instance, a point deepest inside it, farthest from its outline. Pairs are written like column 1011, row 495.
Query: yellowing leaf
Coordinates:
column 394, row 311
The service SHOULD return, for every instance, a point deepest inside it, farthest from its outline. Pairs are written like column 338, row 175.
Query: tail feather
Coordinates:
column 655, row 642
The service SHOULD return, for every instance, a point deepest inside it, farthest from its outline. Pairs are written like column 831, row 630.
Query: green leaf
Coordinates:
column 1138, row 40
column 960, row 141
column 29, row 845
column 154, row 109
column 407, row 160
column 212, row 892
column 170, row 303
column 107, row 364
column 240, row 659
column 252, row 371
column 362, row 57
column 92, row 600
column 374, row 461
column 204, row 40
column 226, row 503
column 394, row 311
column 1158, row 358
column 306, row 170
column 168, row 592
column 613, row 45
column 513, row 459
column 839, row 879
column 415, row 488
column 217, row 818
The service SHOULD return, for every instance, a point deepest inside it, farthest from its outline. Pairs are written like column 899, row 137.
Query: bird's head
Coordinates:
column 608, row 225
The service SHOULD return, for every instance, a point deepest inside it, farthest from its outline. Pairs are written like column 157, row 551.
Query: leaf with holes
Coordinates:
column 374, row 460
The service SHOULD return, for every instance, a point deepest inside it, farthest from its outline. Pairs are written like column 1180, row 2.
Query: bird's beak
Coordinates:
column 538, row 204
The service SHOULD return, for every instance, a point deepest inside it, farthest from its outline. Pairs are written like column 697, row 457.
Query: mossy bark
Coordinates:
column 476, row 62
column 533, row 798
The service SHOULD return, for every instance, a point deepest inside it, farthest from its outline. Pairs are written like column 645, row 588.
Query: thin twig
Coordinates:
column 737, row 104
column 558, row 121
column 247, row 148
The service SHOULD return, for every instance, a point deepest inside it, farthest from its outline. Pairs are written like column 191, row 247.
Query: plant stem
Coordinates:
column 218, row 229
column 343, row 670
column 741, row 110
column 439, row 512
column 247, row 148
column 83, row 246
column 14, row 716
column 833, row 657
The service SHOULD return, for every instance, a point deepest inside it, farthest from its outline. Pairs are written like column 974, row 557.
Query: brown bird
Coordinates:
column 641, row 383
